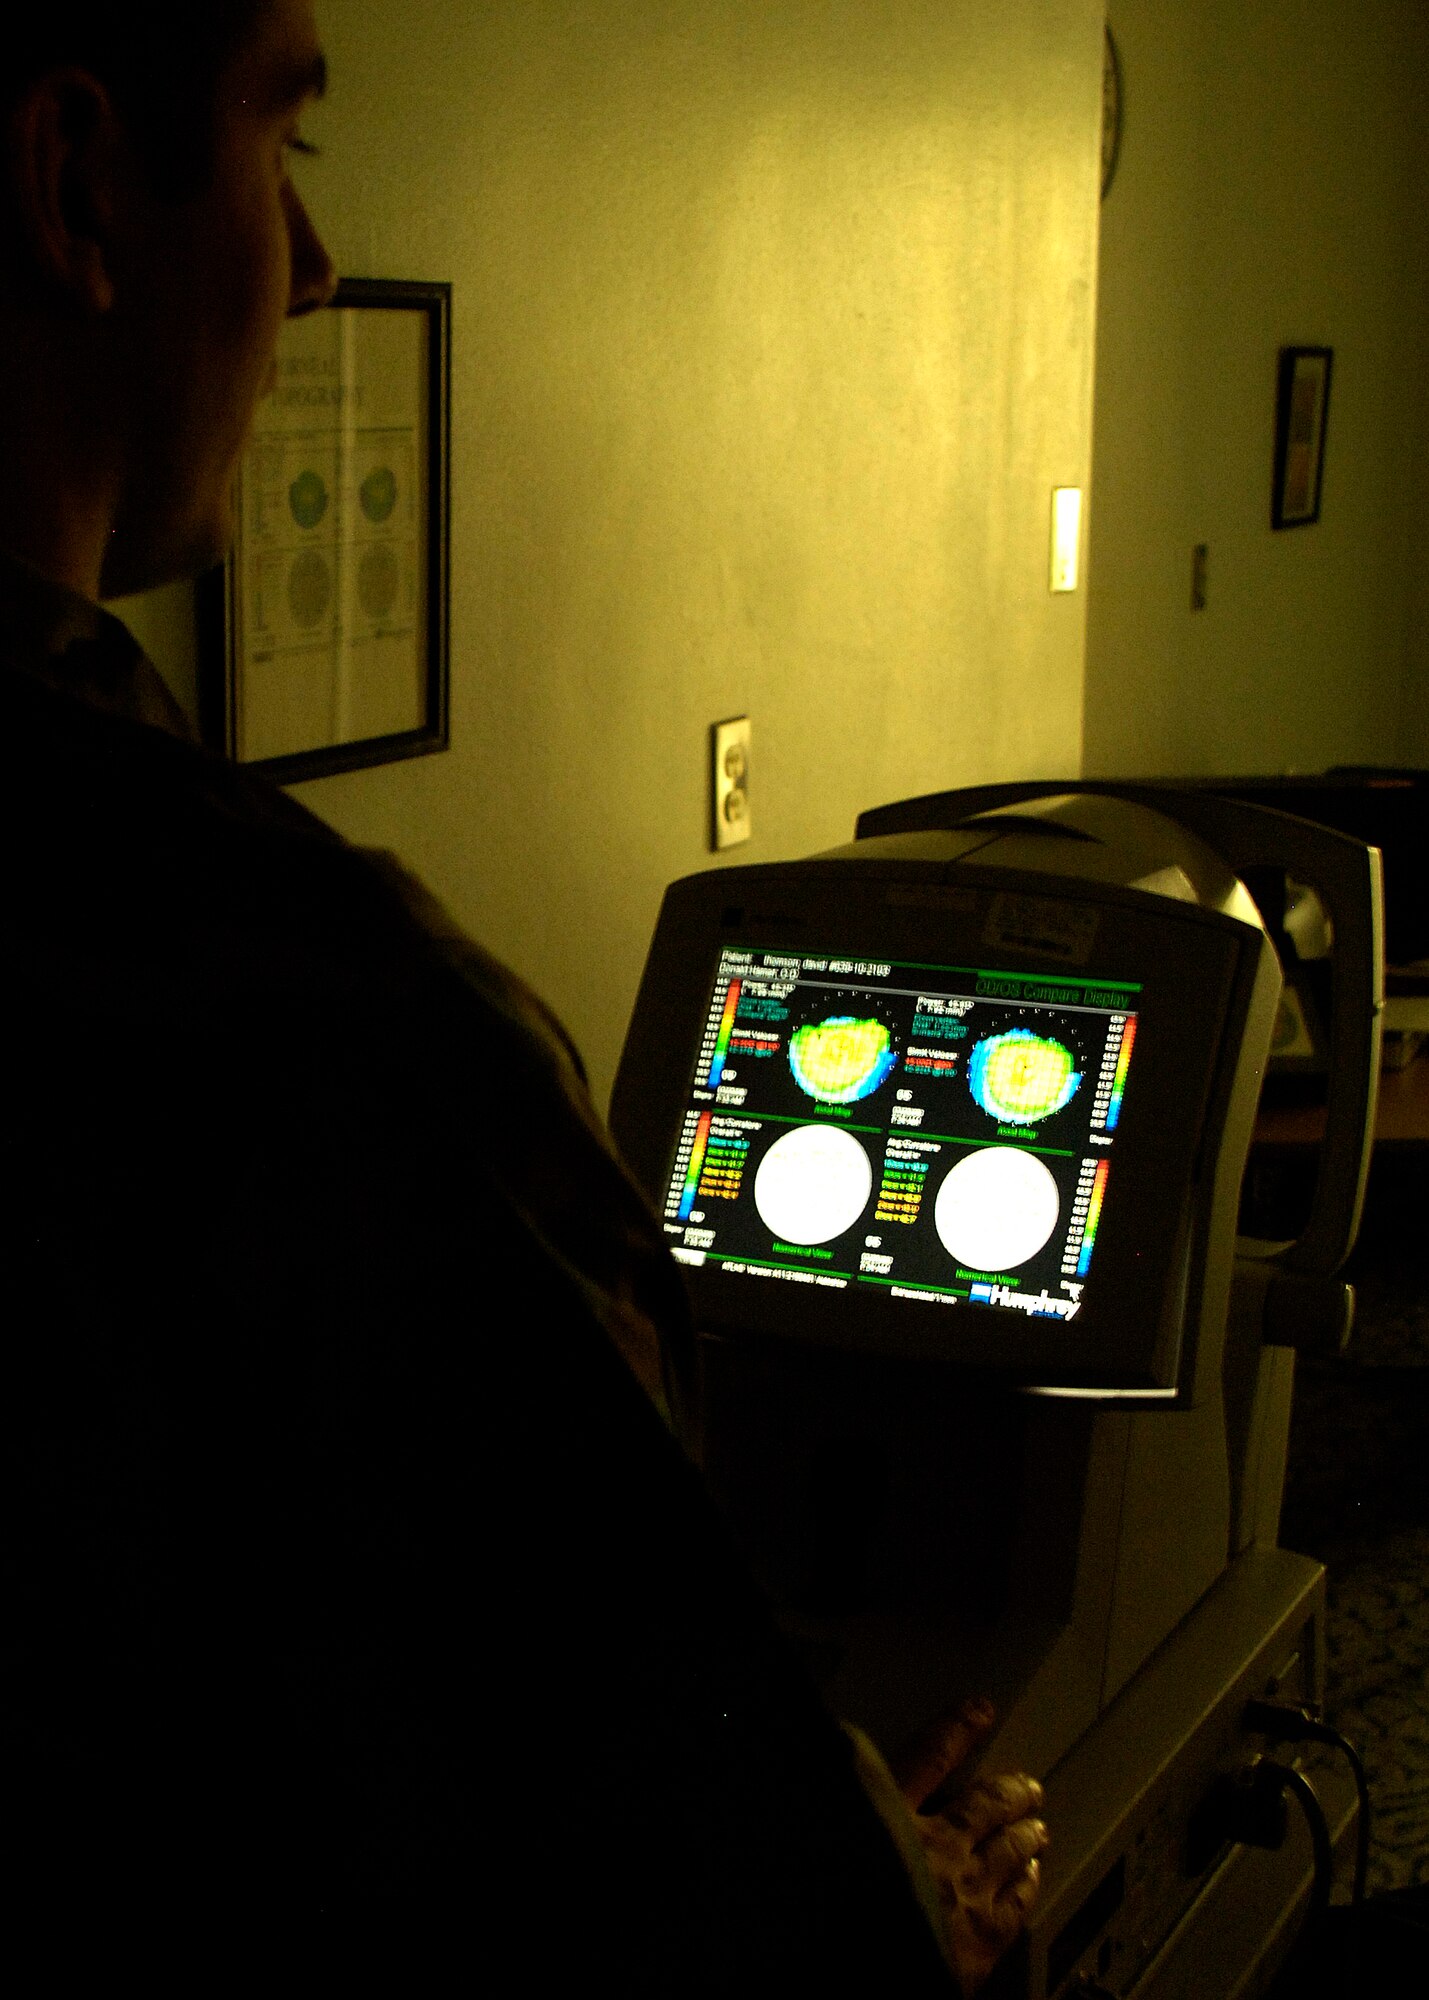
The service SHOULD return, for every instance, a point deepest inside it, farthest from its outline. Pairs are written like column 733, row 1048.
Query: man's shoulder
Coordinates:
column 68, row 753
column 150, row 883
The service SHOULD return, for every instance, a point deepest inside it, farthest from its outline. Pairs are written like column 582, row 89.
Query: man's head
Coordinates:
column 160, row 61
column 151, row 245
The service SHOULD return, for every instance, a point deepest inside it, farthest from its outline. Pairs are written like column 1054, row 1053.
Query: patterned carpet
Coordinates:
column 1357, row 1497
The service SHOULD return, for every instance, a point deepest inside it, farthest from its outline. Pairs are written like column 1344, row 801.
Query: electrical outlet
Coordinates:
column 729, row 786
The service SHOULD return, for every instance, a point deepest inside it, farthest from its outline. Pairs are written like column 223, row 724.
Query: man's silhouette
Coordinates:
column 352, row 1581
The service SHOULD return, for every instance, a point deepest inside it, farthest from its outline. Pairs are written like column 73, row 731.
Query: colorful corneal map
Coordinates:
column 1019, row 1077
column 842, row 1059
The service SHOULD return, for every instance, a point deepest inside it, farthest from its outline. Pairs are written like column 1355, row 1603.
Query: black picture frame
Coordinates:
column 1302, row 407
column 367, row 584
column 1113, row 109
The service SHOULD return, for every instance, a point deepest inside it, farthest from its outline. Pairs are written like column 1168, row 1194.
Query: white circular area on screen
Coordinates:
column 812, row 1184
column 996, row 1208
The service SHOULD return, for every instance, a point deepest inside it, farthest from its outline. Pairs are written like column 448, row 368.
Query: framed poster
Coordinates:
column 323, row 638
column 1302, row 404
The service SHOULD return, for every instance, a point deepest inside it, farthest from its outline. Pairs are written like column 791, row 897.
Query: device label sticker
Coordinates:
column 1043, row 925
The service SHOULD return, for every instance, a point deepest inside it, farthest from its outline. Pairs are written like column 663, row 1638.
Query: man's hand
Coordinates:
column 981, row 1846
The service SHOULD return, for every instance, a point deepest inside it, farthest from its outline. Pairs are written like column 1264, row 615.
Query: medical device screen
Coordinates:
column 946, row 1133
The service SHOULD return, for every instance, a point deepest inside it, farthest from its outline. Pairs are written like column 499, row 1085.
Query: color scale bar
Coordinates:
column 1094, row 1216
column 726, row 1028
column 1123, row 1064
column 697, row 1160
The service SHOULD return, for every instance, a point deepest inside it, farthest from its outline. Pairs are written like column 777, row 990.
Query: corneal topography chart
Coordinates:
column 840, row 1060
column 1020, row 1077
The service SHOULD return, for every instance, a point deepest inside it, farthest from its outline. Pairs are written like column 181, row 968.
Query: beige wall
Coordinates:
column 1271, row 191
column 772, row 332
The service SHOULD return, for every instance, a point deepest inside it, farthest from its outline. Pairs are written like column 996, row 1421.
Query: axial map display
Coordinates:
column 840, row 1060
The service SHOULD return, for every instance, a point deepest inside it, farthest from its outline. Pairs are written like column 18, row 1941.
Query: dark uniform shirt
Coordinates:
column 350, row 1580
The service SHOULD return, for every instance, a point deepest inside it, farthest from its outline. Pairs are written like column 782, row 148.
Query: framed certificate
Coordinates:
column 323, row 639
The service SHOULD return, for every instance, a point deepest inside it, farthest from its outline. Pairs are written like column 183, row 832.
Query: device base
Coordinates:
column 1137, row 1901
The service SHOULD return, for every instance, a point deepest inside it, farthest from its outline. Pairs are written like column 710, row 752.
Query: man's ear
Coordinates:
column 67, row 153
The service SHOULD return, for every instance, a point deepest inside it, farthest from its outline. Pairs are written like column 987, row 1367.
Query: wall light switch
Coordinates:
column 1066, row 536
column 729, row 773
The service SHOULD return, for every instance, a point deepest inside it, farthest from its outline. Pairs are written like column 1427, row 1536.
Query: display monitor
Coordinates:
column 966, row 1114
column 945, row 1134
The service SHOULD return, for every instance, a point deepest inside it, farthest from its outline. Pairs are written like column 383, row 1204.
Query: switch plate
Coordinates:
column 1066, row 537
column 729, row 781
